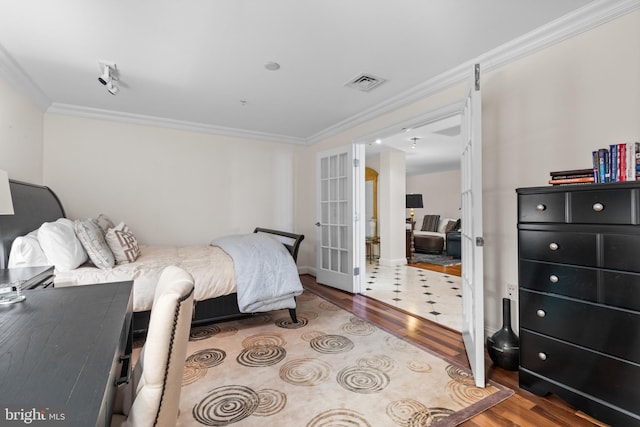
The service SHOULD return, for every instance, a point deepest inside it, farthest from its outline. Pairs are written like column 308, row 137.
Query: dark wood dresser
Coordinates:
column 579, row 292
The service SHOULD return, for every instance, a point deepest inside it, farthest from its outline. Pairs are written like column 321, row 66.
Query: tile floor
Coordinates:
column 434, row 296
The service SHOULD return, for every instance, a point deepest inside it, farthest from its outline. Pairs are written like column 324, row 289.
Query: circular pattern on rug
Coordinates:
column 261, row 355
column 271, row 402
column 264, row 339
column 428, row 417
column 339, row 417
column 357, row 326
column 308, row 336
column 210, row 357
column 362, row 380
column 466, row 394
column 309, row 315
column 380, row 362
column 305, row 372
column 331, row 344
column 226, row 405
column 325, row 305
column 193, row 371
column 401, row 411
column 419, row 366
column 460, row 375
column 287, row 323
column 399, row 345
column 203, row 332
column 227, row 331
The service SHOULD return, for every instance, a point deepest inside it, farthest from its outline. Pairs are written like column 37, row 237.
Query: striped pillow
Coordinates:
column 430, row 223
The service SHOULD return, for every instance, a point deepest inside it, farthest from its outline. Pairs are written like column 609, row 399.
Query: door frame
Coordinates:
column 452, row 109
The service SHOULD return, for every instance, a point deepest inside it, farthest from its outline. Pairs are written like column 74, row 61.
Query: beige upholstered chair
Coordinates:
column 152, row 395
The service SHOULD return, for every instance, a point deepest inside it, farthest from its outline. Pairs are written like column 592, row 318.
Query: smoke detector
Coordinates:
column 365, row 82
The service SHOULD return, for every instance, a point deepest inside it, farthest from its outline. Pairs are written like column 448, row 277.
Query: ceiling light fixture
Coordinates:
column 108, row 76
column 378, row 141
column 272, row 66
column 414, row 139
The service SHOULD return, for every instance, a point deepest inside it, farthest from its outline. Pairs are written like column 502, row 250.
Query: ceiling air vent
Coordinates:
column 365, row 82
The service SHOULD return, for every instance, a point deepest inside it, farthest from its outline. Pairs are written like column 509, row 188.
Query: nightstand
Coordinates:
column 34, row 277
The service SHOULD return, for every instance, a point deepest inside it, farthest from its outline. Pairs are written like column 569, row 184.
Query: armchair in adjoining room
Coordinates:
column 152, row 395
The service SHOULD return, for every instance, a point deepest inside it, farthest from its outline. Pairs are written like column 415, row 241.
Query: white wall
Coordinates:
column 544, row 112
column 440, row 194
column 547, row 112
column 21, row 135
column 169, row 186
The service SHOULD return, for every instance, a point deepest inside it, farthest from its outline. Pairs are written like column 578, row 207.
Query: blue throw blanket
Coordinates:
column 266, row 274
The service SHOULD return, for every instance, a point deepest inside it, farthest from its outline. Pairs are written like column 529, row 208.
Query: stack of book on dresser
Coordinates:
column 577, row 176
column 621, row 162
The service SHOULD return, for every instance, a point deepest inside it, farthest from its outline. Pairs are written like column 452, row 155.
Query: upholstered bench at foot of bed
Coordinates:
column 428, row 244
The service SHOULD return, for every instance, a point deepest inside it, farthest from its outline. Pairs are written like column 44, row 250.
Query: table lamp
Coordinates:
column 413, row 201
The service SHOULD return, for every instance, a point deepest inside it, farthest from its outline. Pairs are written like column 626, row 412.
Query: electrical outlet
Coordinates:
column 512, row 291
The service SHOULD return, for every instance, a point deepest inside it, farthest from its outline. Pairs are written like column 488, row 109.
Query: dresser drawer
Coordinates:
column 577, row 282
column 598, row 375
column 560, row 247
column 608, row 330
column 548, row 207
column 621, row 252
column 603, row 207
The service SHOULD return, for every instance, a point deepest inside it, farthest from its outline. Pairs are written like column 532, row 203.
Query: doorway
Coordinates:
column 432, row 168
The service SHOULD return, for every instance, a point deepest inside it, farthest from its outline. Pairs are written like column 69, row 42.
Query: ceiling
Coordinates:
column 202, row 62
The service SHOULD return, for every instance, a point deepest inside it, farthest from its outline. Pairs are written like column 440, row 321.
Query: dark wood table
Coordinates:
column 61, row 353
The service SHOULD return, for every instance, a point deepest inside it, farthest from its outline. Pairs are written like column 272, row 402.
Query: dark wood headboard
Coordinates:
column 33, row 205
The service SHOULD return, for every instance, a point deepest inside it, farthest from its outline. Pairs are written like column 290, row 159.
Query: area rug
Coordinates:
column 330, row 369
column 438, row 259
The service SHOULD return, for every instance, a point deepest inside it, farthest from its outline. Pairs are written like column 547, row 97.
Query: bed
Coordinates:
column 212, row 265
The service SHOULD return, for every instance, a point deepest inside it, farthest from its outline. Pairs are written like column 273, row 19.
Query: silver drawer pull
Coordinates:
column 553, row 278
column 553, row 246
column 541, row 207
column 598, row 207
column 541, row 313
column 542, row 356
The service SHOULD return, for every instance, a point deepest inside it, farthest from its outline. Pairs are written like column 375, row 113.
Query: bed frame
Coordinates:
column 36, row 204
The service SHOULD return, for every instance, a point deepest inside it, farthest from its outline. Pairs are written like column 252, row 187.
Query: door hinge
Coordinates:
column 479, row 241
column 356, row 271
column 477, row 77
column 356, row 163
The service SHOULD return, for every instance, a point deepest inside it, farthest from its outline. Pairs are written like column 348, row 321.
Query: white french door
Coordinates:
column 471, row 239
column 340, row 199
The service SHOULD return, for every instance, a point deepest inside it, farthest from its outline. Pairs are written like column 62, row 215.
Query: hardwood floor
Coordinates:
column 521, row 409
column 454, row 270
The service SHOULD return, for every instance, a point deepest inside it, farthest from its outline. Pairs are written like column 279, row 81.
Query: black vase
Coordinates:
column 504, row 345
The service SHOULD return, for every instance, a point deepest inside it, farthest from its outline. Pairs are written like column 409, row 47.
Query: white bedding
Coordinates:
column 211, row 268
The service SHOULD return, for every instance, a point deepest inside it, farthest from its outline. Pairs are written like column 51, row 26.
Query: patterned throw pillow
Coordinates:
column 92, row 238
column 430, row 223
column 123, row 244
column 451, row 226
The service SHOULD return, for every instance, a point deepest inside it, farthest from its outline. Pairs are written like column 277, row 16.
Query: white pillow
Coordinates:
column 60, row 244
column 123, row 244
column 26, row 252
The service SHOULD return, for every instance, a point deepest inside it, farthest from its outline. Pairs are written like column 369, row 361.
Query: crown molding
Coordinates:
column 143, row 120
column 10, row 70
column 590, row 16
